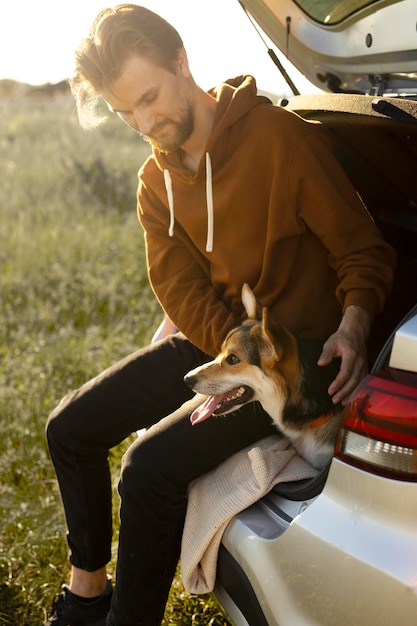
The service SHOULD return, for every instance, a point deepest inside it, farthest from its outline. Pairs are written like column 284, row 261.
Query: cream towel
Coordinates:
column 216, row 497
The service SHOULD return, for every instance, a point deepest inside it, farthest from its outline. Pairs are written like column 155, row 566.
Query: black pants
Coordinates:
column 143, row 390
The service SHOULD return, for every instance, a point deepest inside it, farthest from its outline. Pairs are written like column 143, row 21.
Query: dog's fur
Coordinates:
column 268, row 365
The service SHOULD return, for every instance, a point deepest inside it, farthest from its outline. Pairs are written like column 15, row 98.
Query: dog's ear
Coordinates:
column 249, row 302
column 275, row 351
column 281, row 347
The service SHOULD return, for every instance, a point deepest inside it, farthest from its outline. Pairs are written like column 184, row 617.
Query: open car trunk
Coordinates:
column 346, row 46
column 335, row 543
column 375, row 140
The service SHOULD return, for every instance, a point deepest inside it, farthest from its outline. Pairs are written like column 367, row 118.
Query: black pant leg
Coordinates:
column 157, row 471
column 132, row 394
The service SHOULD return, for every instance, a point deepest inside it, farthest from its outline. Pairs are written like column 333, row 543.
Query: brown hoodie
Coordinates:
column 269, row 205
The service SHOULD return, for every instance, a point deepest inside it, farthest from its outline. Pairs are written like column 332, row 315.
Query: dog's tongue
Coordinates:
column 206, row 409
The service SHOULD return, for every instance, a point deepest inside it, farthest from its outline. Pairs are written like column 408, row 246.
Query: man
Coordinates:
column 237, row 190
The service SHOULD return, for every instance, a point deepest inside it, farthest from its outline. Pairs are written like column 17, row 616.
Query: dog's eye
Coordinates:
column 232, row 359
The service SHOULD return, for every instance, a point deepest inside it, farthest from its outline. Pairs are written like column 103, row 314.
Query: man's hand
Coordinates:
column 165, row 328
column 348, row 343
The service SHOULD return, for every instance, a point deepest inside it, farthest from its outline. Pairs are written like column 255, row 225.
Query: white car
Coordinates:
column 341, row 549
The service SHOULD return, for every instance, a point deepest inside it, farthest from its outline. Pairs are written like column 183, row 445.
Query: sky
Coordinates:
column 38, row 37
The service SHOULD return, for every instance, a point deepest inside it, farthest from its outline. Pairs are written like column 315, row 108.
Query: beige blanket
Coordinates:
column 219, row 495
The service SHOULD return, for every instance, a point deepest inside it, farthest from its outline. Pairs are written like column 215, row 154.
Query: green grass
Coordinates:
column 74, row 298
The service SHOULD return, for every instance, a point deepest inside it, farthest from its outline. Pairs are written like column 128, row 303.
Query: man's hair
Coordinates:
column 117, row 34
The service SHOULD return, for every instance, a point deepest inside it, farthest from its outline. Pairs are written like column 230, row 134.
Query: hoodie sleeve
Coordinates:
column 322, row 197
column 180, row 278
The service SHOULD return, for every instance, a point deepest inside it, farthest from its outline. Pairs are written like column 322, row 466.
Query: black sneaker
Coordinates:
column 67, row 610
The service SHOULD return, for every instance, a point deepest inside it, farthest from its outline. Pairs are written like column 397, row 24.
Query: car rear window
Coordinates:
column 332, row 11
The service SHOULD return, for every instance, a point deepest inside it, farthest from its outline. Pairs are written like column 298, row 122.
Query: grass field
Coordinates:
column 74, row 299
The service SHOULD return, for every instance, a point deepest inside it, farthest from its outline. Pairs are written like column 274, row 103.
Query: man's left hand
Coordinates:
column 348, row 343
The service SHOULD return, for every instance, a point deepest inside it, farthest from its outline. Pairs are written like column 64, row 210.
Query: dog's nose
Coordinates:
column 189, row 380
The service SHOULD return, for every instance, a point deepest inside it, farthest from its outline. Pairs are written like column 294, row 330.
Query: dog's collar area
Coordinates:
column 323, row 419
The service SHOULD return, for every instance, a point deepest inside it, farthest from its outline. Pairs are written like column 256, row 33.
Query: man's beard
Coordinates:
column 168, row 136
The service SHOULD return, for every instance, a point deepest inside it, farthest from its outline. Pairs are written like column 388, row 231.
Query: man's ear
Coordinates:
column 181, row 63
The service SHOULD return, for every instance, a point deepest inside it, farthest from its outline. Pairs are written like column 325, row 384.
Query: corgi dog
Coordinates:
column 264, row 362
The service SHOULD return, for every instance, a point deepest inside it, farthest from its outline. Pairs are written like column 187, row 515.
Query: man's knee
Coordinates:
column 139, row 465
column 56, row 423
column 146, row 470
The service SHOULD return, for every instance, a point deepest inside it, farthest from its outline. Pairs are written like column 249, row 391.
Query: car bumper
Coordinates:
column 347, row 557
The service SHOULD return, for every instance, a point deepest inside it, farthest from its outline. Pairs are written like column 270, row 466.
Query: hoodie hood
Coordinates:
column 235, row 98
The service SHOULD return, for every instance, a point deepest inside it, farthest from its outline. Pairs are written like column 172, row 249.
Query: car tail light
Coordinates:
column 379, row 426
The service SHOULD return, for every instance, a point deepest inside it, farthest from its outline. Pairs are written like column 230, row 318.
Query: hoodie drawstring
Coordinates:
column 170, row 196
column 209, row 203
column 209, row 200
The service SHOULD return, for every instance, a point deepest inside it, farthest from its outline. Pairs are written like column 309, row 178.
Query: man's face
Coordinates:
column 154, row 101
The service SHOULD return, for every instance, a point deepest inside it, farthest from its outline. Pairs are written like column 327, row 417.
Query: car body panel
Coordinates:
column 404, row 349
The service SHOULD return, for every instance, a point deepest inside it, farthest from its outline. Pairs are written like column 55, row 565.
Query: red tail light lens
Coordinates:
column 379, row 427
